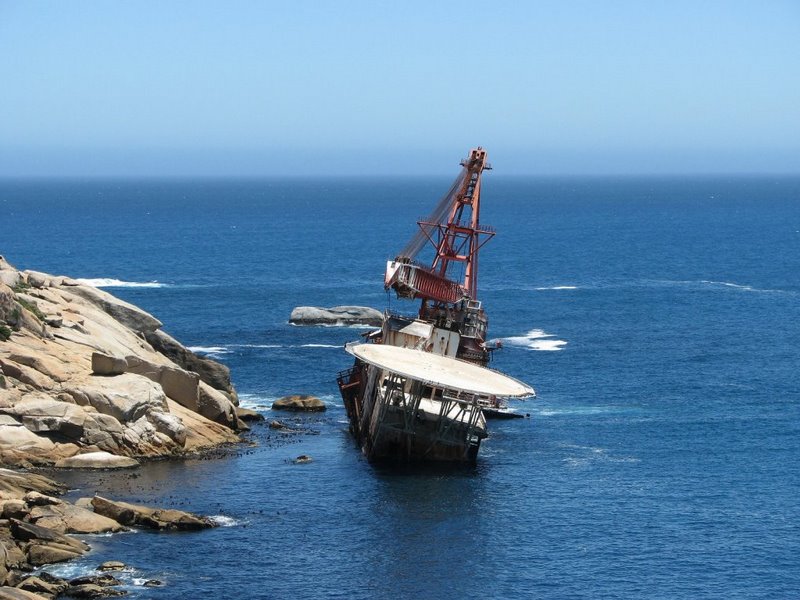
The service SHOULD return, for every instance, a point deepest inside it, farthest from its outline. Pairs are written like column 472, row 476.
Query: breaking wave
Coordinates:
column 535, row 339
column 709, row 284
column 224, row 521
column 103, row 282
column 338, row 324
column 256, row 401
column 209, row 349
column 220, row 350
column 557, row 287
column 320, row 346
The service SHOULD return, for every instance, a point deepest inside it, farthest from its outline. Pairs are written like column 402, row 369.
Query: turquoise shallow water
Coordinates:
column 658, row 320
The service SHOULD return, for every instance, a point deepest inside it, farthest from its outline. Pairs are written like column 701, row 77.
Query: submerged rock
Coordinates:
column 336, row 315
column 300, row 403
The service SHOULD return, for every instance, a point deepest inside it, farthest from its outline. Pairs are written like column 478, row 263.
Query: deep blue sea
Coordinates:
column 657, row 318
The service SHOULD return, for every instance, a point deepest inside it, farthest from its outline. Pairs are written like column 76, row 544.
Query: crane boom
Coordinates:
column 454, row 231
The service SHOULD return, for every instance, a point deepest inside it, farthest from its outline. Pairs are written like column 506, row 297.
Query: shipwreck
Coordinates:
column 420, row 386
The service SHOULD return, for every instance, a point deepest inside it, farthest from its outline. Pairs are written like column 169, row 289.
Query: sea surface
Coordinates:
column 657, row 318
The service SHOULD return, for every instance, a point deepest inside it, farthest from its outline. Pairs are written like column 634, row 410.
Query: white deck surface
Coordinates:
column 440, row 371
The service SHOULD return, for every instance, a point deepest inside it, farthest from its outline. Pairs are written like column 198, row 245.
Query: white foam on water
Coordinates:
column 69, row 570
column 557, row 287
column 209, row 349
column 747, row 288
column 711, row 284
column 337, row 324
column 547, row 345
column 256, row 346
column 224, row 521
column 577, row 410
column 319, row 346
column 102, row 282
column 256, row 402
column 535, row 339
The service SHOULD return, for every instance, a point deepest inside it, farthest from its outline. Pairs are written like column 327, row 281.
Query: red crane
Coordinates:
column 455, row 232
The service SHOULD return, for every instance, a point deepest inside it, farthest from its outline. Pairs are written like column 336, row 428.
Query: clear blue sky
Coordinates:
column 291, row 87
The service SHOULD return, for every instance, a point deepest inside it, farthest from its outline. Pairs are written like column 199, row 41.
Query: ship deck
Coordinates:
column 440, row 371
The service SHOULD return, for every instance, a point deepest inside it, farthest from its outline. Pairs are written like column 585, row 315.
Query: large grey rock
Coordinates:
column 245, row 414
column 25, row 374
column 22, row 439
column 12, row 593
column 215, row 406
column 336, row 315
column 37, row 585
column 68, row 518
column 103, row 364
column 213, row 373
column 92, row 591
column 9, row 277
column 127, row 314
column 52, row 367
column 29, row 532
column 96, row 460
column 181, row 386
column 45, row 415
column 299, row 403
column 169, row 425
column 37, row 279
column 126, row 397
column 16, row 484
column 151, row 518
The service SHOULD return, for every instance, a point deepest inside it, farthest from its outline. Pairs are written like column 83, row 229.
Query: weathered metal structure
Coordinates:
column 456, row 234
column 418, row 386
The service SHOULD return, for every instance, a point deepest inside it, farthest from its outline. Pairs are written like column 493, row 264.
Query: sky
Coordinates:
column 302, row 88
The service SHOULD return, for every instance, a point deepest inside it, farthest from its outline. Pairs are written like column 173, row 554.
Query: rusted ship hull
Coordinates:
column 395, row 430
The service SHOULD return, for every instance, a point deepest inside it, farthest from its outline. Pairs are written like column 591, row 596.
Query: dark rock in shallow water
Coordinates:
column 112, row 565
column 303, row 459
column 39, row 585
column 103, row 580
column 91, row 591
column 337, row 315
column 245, row 414
column 299, row 402
column 152, row 583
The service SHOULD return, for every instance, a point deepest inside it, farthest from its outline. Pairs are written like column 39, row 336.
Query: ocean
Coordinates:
column 657, row 318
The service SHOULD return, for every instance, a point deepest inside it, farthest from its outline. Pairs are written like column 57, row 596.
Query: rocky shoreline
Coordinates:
column 84, row 372
column 90, row 381
column 37, row 528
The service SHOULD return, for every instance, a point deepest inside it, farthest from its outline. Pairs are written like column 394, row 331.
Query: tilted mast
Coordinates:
column 455, row 232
